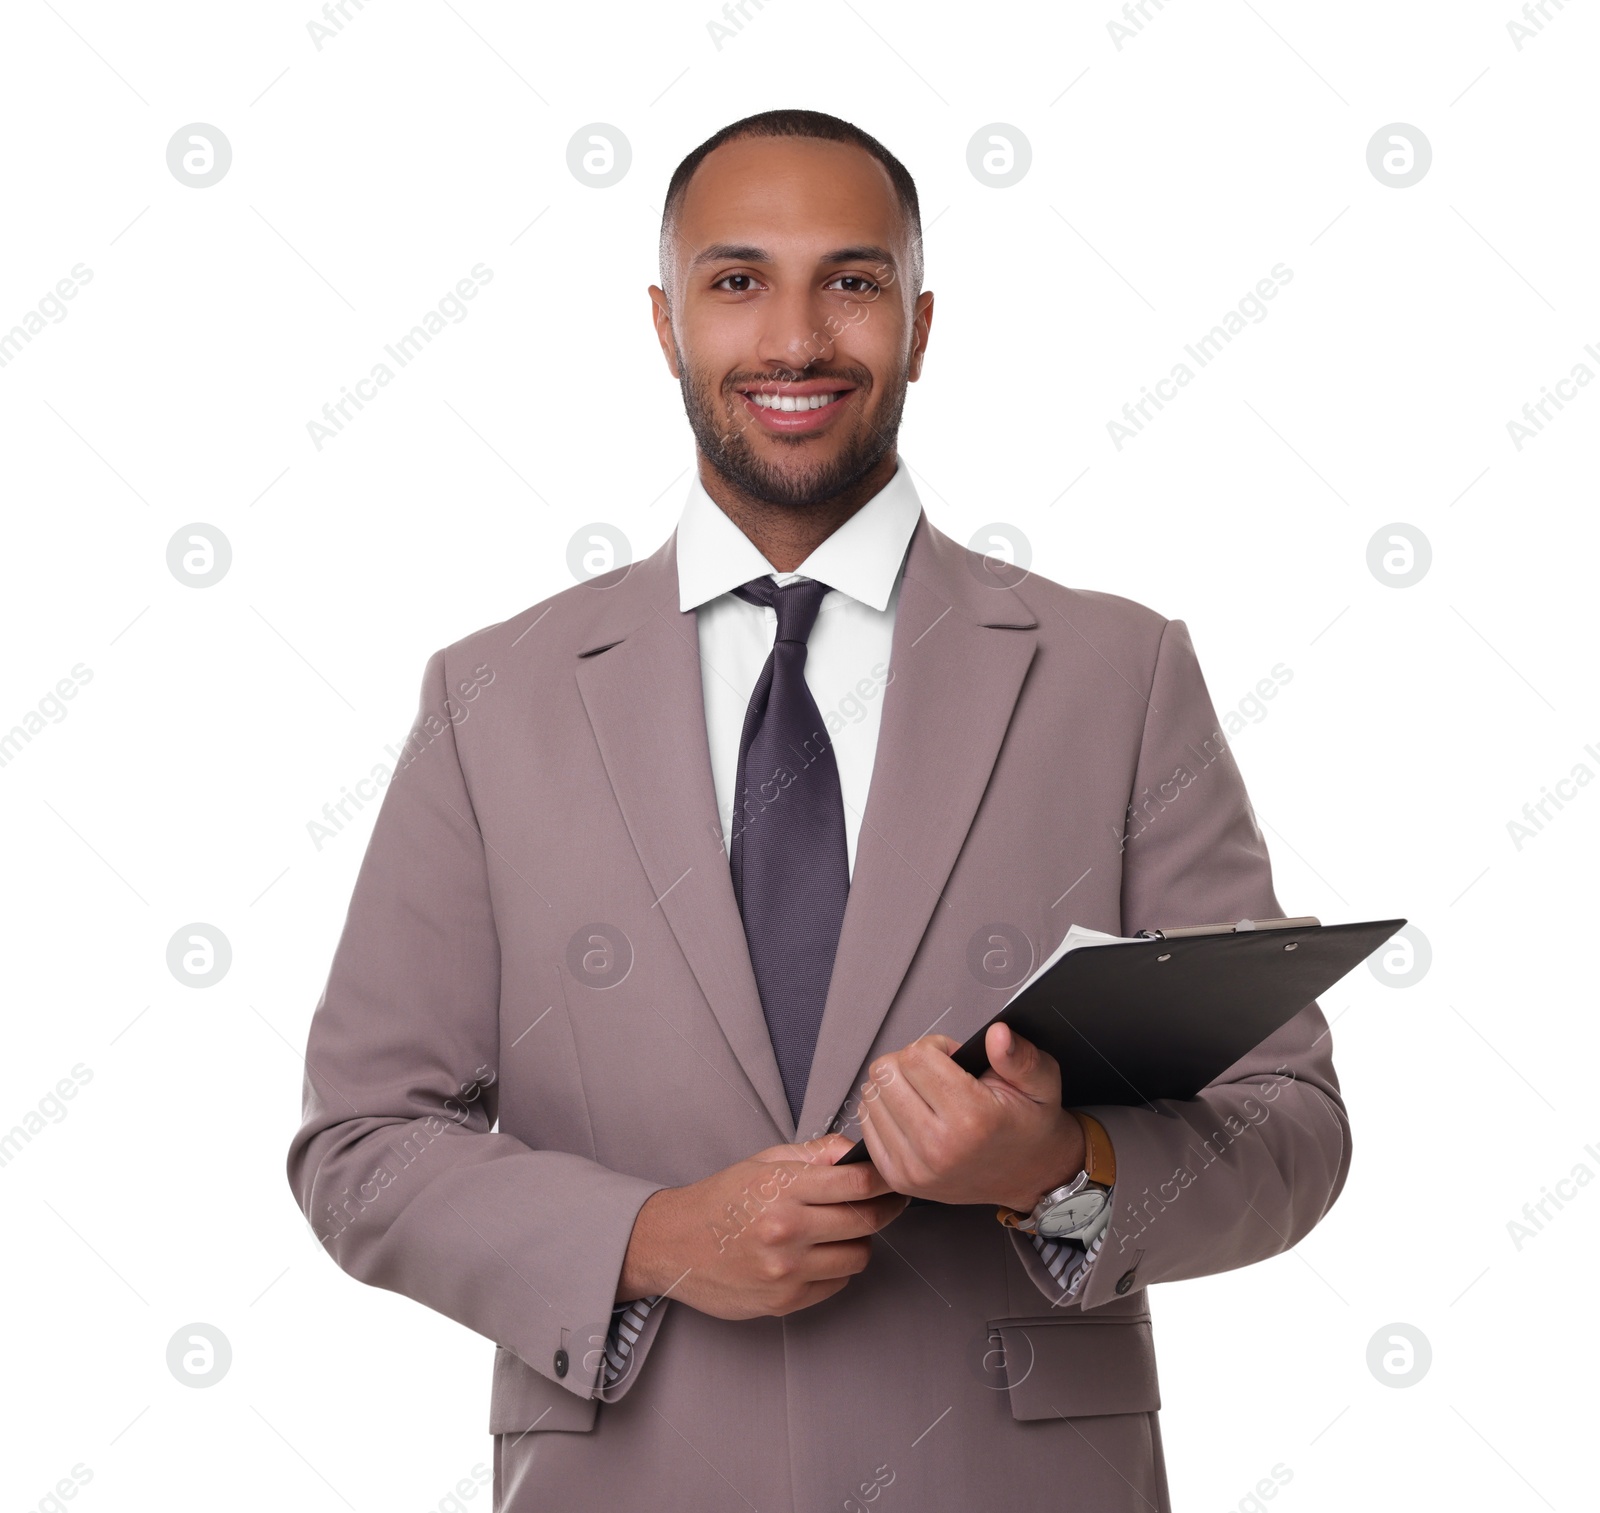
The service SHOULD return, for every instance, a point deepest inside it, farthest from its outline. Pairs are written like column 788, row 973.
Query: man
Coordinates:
column 698, row 870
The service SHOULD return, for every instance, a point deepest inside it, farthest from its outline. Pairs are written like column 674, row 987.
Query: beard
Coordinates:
column 721, row 432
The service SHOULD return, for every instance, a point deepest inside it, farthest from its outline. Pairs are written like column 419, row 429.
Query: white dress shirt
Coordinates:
column 847, row 654
column 847, row 670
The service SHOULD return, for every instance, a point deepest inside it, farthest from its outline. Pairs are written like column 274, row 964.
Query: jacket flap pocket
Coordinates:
column 1077, row 1368
column 521, row 1399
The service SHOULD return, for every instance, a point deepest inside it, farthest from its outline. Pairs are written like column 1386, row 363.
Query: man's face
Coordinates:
column 792, row 328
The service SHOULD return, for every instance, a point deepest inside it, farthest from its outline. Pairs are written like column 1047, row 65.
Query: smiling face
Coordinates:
column 792, row 328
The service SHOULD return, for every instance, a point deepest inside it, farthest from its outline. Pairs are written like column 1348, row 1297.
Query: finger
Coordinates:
column 926, row 1062
column 777, row 1172
column 888, row 1076
column 928, row 1089
column 891, row 1147
column 826, row 1223
column 823, row 1262
column 838, row 1258
column 838, row 1184
column 1021, row 1063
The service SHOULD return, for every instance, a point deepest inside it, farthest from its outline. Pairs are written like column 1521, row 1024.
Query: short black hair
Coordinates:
column 814, row 124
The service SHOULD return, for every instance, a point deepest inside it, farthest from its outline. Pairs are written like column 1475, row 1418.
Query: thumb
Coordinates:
column 1022, row 1063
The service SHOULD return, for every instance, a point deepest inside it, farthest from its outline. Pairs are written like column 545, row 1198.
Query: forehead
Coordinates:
column 790, row 194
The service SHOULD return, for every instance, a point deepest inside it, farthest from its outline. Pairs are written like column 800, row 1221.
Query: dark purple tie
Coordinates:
column 791, row 869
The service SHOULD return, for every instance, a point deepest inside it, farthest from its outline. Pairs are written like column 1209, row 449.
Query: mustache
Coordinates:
column 858, row 378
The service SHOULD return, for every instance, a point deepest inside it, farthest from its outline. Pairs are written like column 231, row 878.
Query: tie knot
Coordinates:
column 796, row 603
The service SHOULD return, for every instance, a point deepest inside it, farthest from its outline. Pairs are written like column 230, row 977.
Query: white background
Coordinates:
column 1168, row 176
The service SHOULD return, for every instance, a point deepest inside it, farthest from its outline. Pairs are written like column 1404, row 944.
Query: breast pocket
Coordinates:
column 1077, row 1367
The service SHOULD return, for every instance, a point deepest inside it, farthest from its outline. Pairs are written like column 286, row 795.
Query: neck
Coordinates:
column 786, row 534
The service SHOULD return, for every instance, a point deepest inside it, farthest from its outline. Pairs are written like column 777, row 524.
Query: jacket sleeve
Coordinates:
column 1247, row 1168
column 394, row 1164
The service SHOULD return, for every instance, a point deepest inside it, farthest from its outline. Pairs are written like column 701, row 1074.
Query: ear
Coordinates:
column 921, row 320
column 661, row 316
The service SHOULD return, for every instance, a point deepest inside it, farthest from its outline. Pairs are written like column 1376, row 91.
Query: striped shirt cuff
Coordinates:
column 1068, row 1262
column 627, row 1323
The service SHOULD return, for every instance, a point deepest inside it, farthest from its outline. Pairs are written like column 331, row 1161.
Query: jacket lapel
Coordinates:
column 961, row 649
column 639, row 677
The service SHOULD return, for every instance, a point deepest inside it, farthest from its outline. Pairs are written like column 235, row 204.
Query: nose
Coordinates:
column 794, row 331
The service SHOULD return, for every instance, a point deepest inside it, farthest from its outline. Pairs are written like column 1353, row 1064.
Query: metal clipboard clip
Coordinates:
column 1237, row 927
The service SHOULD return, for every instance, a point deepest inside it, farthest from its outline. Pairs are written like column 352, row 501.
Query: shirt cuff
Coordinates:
column 627, row 1323
column 1068, row 1262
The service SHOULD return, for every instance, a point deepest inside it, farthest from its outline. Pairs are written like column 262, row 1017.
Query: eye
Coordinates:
column 863, row 285
column 736, row 283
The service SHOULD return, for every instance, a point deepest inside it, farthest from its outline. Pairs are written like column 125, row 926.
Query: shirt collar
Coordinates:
column 862, row 558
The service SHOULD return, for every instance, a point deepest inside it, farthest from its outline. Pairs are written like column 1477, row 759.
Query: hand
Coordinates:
column 935, row 1131
column 769, row 1235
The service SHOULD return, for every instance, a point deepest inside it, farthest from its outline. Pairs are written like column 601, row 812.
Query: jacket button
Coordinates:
column 561, row 1355
column 1124, row 1282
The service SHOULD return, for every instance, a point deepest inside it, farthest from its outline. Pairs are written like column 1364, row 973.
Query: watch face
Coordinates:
column 1073, row 1213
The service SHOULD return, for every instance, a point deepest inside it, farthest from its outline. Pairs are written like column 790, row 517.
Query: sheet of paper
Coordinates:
column 1077, row 935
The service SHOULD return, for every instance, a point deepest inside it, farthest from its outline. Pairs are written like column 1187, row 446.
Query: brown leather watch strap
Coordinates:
column 1099, row 1164
column 1100, row 1161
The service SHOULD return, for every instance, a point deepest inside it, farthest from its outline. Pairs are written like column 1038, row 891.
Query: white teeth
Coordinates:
column 791, row 402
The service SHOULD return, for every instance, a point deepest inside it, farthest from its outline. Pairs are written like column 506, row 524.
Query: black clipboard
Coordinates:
column 1164, row 1016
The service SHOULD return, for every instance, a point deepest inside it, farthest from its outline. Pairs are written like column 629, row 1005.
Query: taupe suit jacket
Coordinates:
column 544, row 932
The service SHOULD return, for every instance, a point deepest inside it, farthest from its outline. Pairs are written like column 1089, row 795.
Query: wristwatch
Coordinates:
column 1081, row 1208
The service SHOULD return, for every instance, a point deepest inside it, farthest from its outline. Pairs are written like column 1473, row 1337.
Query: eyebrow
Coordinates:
column 739, row 252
